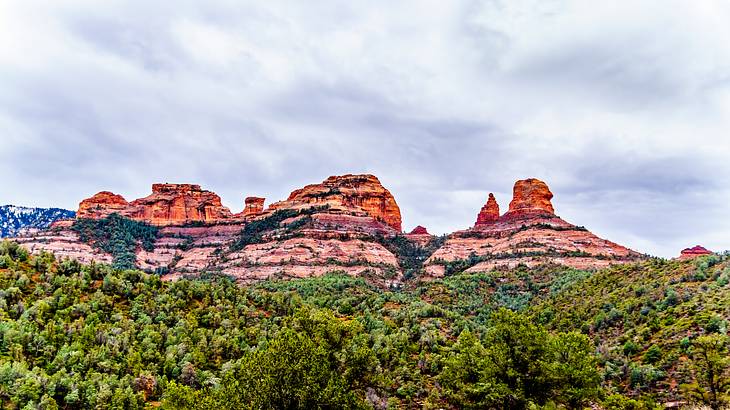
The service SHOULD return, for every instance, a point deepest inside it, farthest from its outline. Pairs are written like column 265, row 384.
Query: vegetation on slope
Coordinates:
column 78, row 336
column 118, row 236
column 256, row 231
column 646, row 318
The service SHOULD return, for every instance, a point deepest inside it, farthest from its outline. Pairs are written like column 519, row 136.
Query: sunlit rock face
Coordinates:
column 351, row 194
column 489, row 213
column 169, row 204
column 101, row 205
column 531, row 197
column 172, row 204
column 253, row 206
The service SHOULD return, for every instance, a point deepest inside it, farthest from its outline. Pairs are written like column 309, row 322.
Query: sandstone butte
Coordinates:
column 489, row 213
column 345, row 215
column 169, row 204
column 529, row 233
column 694, row 252
column 179, row 204
column 530, row 198
column 420, row 236
column 352, row 194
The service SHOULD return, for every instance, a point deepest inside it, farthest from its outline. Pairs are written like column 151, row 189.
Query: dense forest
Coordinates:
column 629, row 337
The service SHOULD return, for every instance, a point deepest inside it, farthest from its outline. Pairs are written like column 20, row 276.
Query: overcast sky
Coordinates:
column 623, row 108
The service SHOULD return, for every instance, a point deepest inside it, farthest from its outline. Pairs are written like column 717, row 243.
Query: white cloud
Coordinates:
column 622, row 107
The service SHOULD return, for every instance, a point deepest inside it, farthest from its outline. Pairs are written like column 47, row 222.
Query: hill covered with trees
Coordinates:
column 632, row 336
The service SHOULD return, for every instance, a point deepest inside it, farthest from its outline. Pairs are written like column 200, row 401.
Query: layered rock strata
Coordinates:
column 359, row 195
column 489, row 213
column 694, row 252
column 345, row 223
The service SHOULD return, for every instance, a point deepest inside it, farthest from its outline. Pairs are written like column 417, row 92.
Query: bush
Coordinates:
column 652, row 355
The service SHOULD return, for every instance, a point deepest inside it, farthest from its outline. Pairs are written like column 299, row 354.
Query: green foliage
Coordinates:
column 711, row 364
column 630, row 348
column 315, row 362
column 90, row 336
column 642, row 318
column 619, row 402
column 520, row 364
column 118, row 236
column 653, row 354
column 411, row 256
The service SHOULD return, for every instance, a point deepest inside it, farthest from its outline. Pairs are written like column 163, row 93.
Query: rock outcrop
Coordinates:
column 254, row 206
column 419, row 235
column 169, row 204
column 489, row 213
column 694, row 252
column 174, row 204
column 102, row 204
column 344, row 223
column 531, row 197
column 359, row 195
column 529, row 233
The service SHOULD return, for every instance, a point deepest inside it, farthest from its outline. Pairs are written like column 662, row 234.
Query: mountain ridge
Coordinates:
column 348, row 223
column 14, row 219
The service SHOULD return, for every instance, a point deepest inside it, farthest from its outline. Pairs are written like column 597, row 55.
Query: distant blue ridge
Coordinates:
column 13, row 218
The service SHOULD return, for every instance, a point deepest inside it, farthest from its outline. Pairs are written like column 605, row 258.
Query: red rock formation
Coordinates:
column 254, row 206
column 340, row 237
column 529, row 233
column 169, row 204
column 531, row 197
column 694, row 252
column 174, row 204
column 101, row 205
column 354, row 194
column 489, row 213
column 420, row 236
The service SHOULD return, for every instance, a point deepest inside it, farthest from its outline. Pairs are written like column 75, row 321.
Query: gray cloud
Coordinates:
column 622, row 108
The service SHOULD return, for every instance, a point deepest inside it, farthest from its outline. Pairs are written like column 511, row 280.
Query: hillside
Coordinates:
column 88, row 335
column 15, row 219
column 644, row 318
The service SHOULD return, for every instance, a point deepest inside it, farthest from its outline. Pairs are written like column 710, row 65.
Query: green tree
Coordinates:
column 465, row 379
column 520, row 364
column 712, row 376
column 574, row 378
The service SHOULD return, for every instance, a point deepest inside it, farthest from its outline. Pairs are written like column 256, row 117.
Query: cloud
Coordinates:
column 621, row 107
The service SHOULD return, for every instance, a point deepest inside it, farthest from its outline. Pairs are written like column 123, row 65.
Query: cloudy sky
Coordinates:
column 623, row 108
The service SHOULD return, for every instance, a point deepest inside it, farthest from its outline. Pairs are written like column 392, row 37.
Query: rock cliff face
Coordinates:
column 361, row 195
column 489, row 213
column 169, row 204
column 174, row 204
column 254, row 206
column 693, row 252
column 101, row 205
column 531, row 197
column 346, row 223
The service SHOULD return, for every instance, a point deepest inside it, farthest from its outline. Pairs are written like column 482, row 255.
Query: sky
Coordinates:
column 622, row 107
